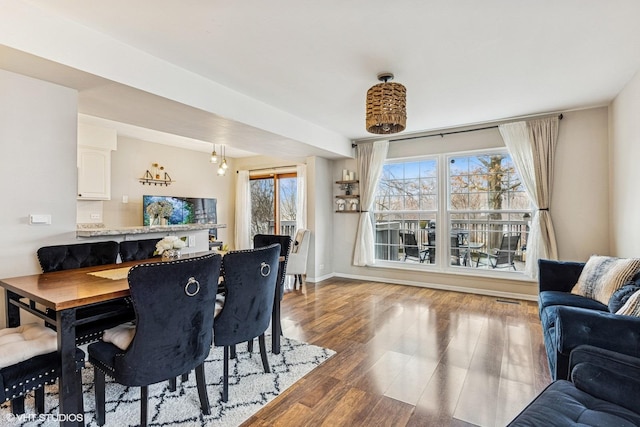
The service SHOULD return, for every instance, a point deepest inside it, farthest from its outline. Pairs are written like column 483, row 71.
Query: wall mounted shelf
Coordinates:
column 346, row 202
column 166, row 182
column 148, row 178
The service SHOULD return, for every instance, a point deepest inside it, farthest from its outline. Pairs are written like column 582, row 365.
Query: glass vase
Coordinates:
column 171, row 254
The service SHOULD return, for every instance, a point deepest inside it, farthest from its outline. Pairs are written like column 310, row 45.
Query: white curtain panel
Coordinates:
column 532, row 145
column 301, row 200
column 370, row 160
column 243, row 211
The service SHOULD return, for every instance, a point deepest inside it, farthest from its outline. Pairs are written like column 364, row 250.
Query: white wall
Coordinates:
column 37, row 170
column 578, row 208
column 320, row 208
column 580, row 202
column 624, row 125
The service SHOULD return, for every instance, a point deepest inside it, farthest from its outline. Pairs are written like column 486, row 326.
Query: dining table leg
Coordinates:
column 12, row 312
column 70, row 391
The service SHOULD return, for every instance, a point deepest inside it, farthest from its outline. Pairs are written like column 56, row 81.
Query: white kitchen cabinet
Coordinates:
column 94, row 161
column 94, row 173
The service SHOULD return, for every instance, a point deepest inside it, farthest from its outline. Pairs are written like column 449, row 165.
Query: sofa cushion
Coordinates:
column 632, row 306
column 548, row 301
column 621, row 296
column 551, row 298
column 603, row 275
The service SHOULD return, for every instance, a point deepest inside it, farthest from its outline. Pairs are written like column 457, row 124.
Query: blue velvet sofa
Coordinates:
column 603, row 391
column 570, row 320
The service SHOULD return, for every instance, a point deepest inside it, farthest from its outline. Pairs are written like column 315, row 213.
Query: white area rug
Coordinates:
column 249, row 390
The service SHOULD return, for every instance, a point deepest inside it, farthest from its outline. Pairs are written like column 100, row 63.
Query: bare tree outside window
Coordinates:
column 288, row 198
column 490, row 185
column 262, row 205
column 274, row 204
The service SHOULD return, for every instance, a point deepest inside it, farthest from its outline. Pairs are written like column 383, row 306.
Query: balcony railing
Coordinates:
column 475, row 237
column 287, row 228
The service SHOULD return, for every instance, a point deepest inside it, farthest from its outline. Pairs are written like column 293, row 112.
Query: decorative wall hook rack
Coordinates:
column 157, row 176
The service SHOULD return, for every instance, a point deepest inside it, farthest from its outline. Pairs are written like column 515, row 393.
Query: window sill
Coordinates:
column 457, row 271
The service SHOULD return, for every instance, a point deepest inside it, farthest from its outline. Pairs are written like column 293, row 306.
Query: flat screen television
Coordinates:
column 179, row 210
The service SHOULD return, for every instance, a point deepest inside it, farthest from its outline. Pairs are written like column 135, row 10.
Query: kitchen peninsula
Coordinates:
column 197, row 235
column 97, row 230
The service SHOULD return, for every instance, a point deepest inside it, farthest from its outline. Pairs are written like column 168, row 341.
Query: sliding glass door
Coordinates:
column 273, row 204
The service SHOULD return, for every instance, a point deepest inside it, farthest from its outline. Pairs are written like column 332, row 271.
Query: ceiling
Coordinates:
column 461, row 63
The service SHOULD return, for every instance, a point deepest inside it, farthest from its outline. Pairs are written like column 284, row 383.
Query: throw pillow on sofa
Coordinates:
column 622, row 295
column 632, row 306
column 603, row 275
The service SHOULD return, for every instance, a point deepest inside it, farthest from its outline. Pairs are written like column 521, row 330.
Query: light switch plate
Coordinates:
column 40, row 219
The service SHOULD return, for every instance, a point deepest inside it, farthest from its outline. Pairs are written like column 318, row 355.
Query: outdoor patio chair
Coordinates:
column 410, row 246
column 504, row 256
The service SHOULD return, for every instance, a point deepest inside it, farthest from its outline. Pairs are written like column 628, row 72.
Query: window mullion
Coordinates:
column 443, row 223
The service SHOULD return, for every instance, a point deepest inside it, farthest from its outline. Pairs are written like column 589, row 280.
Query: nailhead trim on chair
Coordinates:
column 49, row 378
column 86, row 339
column 105, row 369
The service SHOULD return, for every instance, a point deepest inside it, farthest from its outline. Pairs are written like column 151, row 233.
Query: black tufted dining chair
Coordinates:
column 66, row 257
column 250, row 277
column 78, row 255
column 28, row 361
column 259, row 241
column 137, row 250
column 174, row 304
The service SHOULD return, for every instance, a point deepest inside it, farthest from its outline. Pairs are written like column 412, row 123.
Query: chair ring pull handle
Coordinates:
column 189, row 283
column 264, row 266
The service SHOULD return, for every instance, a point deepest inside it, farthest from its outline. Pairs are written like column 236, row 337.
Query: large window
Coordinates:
column 482, row 225
column 273, row 204
column 406, row 204
column 488, row 210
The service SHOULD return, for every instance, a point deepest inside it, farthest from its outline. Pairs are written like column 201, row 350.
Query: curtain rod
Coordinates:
column 442, row 134
column 271, row 168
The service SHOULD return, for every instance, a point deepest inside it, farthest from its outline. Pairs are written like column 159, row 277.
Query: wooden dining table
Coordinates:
column 65, row 292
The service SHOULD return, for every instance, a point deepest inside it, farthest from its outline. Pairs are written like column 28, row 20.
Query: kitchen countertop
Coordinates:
column 86, row 230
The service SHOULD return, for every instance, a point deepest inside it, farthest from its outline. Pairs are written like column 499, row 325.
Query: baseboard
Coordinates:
column 488, row 292
column 321, row 278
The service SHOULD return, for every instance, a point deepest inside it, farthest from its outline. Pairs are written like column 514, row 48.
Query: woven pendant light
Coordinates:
column 386, row 106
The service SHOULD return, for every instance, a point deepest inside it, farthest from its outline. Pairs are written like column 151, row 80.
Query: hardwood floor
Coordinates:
column 409, row 356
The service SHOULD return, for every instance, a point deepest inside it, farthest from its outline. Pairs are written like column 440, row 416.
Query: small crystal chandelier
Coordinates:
column 224, row 159
column 222, row 169
column 214, row 155
column 386, row 106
